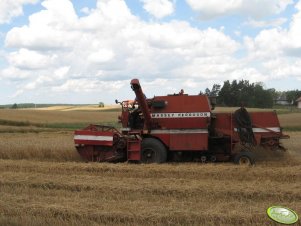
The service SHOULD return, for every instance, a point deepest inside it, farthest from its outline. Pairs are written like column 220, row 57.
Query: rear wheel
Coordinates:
column 244, row 158
column 153, row 151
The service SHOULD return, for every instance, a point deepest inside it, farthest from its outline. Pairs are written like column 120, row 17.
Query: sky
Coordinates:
column 87, row 51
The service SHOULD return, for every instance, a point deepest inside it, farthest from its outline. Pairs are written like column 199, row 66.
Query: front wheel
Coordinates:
column 153, row 151
column 244, row 158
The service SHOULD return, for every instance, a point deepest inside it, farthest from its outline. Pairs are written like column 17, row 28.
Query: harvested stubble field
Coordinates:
column 43, row 182
column 52, row 193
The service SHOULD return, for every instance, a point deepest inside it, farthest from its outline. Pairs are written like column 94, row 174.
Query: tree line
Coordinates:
column 237, row 93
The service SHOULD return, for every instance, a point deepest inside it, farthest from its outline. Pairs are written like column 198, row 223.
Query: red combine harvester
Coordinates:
column 179, row 127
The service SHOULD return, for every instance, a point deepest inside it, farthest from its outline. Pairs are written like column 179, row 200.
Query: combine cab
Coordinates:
column 179, row 127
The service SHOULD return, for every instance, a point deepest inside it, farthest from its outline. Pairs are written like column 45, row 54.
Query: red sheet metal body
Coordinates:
column 99, row 143
column 93, row 137
column 182, row 112
column 182, row 125
column 265, row 125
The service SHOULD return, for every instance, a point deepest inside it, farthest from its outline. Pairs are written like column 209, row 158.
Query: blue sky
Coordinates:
column 62, row 51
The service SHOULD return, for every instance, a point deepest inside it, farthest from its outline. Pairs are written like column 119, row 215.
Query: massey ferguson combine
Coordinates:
column 179, row 127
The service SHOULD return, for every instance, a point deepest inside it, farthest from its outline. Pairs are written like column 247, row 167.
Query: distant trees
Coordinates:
column 214, row 91
column 237, row 93
column 14, row 106
column 292, row 96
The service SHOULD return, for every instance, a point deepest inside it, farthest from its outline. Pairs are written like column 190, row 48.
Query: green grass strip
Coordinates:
column 68, row 126
column 292, row 128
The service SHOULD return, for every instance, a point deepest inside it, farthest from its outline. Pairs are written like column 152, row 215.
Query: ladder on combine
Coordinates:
column 134, row 145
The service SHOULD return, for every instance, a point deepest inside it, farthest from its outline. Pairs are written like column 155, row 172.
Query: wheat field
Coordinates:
column 56, row 116
column 44, row 182
column 59, row 146
column 78, row 108
column 48, row 193
column 293, row 119
column 49, row 146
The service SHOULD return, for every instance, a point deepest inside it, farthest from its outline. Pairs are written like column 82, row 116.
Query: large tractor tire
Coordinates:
column 246, row 158
column 153, row 151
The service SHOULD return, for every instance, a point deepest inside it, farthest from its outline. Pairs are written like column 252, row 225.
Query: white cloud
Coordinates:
column 28, row 59
column 85, row 10
column 14, row 74
column 237, row 33
column 159, row 8
column 278, row 50
column 61, row 72
column 40, row 81
column 47, row 28
column 17, row 93
column 210, row 9
column 101, row 56
column 255, row 9
column 43, row 81
column 282, row 67
column 278, row 41
column 10, row 9
column 58, row 51
column 266, row 23
column 110, row 41
column 268, row 43
column 85, row 85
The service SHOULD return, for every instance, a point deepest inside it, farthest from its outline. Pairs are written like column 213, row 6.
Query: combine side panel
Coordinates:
column 184, row 139
column 267, row 130
column 182, row 121
column 93, row 138
column 265, row 126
